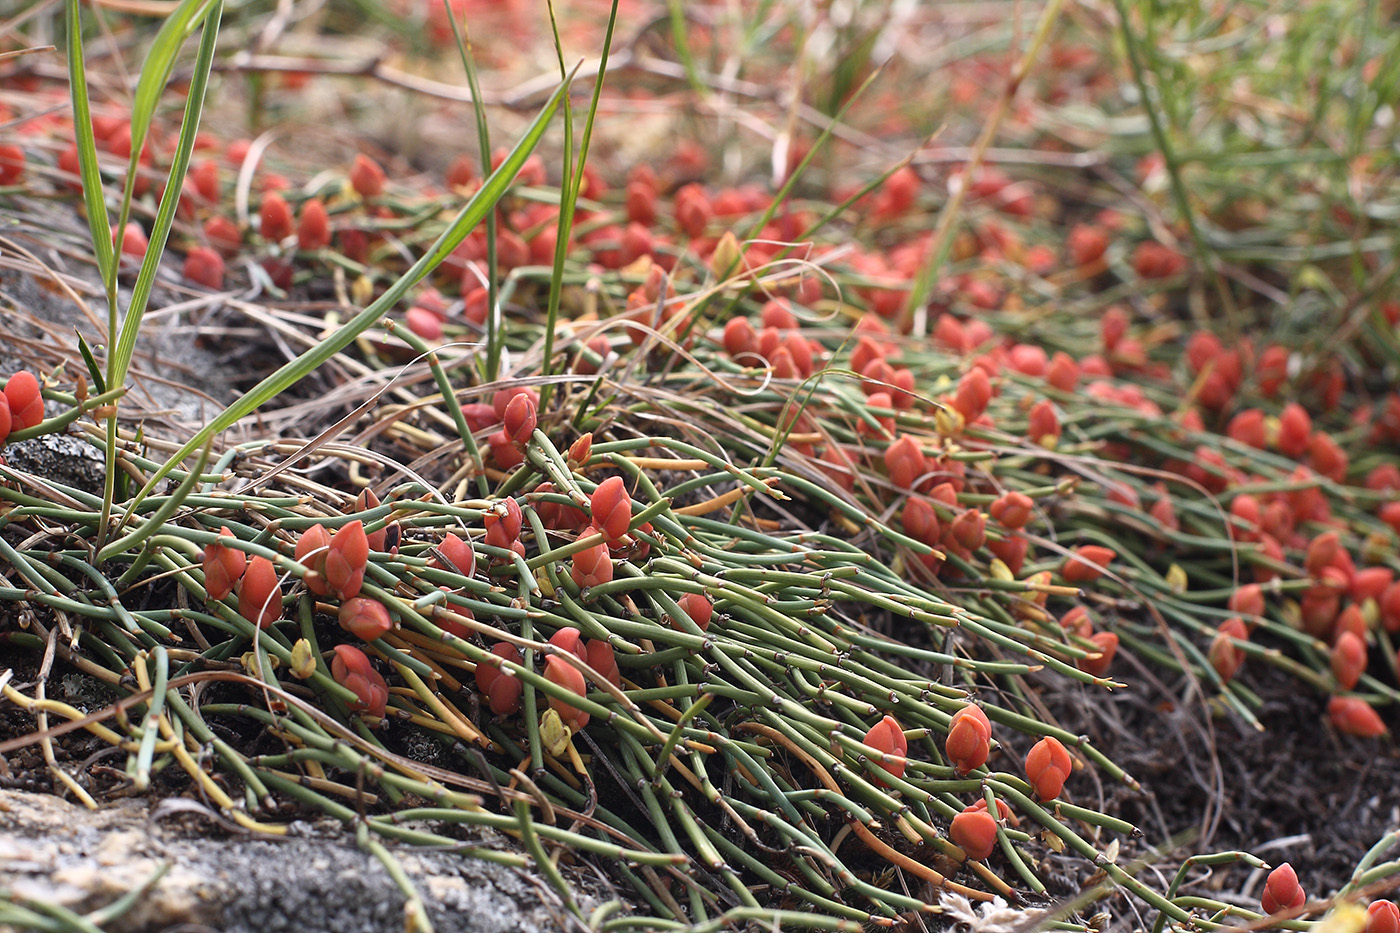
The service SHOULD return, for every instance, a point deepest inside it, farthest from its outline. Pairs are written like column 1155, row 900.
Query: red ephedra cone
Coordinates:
column 611, row 508
column 592, row 566
column 346, row 560
column 501, row 688
column 888, row 737
column 1047, row 766
column 223, row 566
column 26, row 403
column 699, row 607
column 1355, row 716
column 312, row 547
column 975, row 832
column 1382, row 917
column 969, row 739
column 351, row 669
column 564, row 674
column 1282, row 891
column 365, row 618
column 259, row 593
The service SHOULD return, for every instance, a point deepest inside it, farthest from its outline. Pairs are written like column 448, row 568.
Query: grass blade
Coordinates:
column 155, row 75
column 568, row 200
column 482, row 204
column 120, row 359
column 87, row 156
column 494, row 332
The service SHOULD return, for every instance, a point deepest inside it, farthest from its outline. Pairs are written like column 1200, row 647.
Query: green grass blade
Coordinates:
column 155, row 75
column 94, row 371
column 87, row 151
column 482, row 204
column 568, row 200
column 120, row 359
column 494, row 331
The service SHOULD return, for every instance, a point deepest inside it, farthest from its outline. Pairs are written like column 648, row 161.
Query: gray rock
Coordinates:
column 67, row 460
column 56, row 852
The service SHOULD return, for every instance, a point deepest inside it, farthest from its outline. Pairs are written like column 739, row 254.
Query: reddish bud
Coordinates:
column 973, row 394
column 592, row 566
column 501, row 688
column 1047, row 766
column 503, row 522
column 313, row 226
column 223, row 566
column 1322, row 553
column 1248, row 600
column 920, row 522
column 969, row 740
column 25, row 401
column 275, row 218
column 365, row 618
column 1348, row 659
column 520, row 420
column 1355, row 717
column 601, row 657
column 580, row 450
column 1224, row 656
column 1106, row 643
column 346, row 560
column 1281, row 890
column 969, row 529
column 11, row 164
column 1084, row 563
column 561, row 673
column 351, row 669
column 1113, row 327
column 204, row 267
column 570, row 639
column 974, row 831
column 312, row 547
column 366, row 177
column 611, row 508
column 259, row 593
column 1012, row 510
column 699, row 607
column 1382, row 917
column 365, row 501
column 905, row 461
column 1043, row 425
column 1294, row 428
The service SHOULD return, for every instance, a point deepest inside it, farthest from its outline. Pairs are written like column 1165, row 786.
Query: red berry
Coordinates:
column 1348, row 659
column 969, row 740
column 346, row 560
column 312, row 547
column 313, row 226
column 887, row 736
column 204, row 267
column 561, row 673
column 365, row 618
column 260, row 593
column 1355, row 717
column 1048, row 764
column 25, row 402
column 275, row 218
column 611, row 508
column 699, row 607
column 351, row 669
column 1382, row 917
column 366, row 177
column 1082, row 565
column 1281, row 890
column 223, row 566
column 592, row 566
column 975, row 832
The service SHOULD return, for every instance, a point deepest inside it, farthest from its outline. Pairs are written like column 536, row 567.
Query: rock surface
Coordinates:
column 55, row 852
